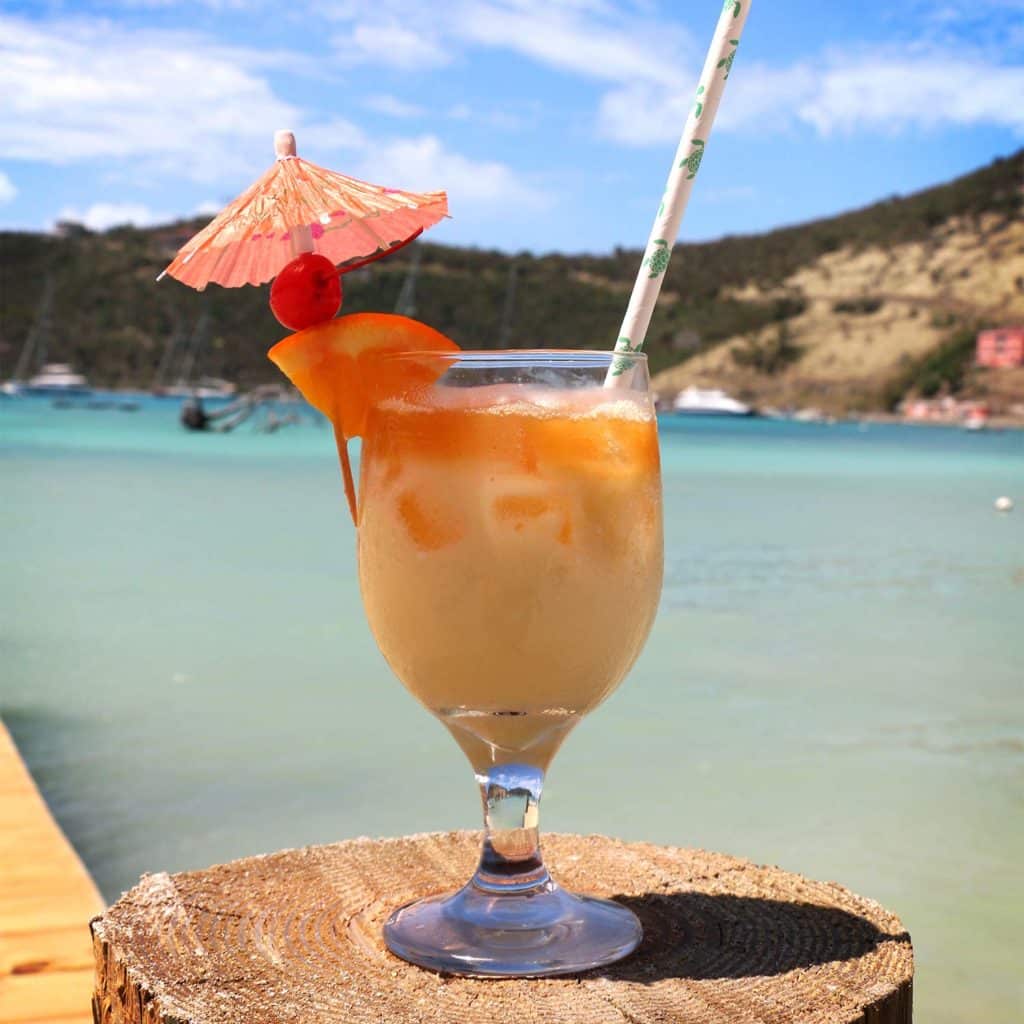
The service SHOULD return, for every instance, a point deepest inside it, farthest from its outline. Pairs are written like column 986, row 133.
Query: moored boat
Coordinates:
column 55, row 379
column 694, row 401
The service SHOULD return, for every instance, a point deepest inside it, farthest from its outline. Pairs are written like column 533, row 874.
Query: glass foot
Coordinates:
column 542, row 930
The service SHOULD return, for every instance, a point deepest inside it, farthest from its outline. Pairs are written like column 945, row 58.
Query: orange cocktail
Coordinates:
column 510, row 559
column 510, row 553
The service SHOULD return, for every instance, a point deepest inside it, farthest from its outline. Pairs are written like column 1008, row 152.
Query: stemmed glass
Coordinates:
column 510, row 561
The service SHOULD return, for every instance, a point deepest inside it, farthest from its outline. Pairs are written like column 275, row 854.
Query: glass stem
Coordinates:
column 510, row 861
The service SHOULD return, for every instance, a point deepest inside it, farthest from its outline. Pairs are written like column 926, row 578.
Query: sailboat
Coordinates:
column 57, row 379
column 185, row 385
column 173, row 344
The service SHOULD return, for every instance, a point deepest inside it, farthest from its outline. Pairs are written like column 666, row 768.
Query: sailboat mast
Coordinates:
column 406, row 304
column 38, row 331
column 188, row 362
column 177, row 336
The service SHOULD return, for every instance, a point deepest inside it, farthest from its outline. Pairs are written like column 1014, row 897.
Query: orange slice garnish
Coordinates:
column 338, row 369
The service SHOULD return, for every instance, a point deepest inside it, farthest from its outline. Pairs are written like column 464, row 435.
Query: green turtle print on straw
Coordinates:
column 658, row 260
column 692, row 146
column 692, row 162
column 726, row 62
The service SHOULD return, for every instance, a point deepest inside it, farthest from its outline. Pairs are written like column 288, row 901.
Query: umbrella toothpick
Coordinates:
column 301, row 240
column 284, row 144
column 302, row 235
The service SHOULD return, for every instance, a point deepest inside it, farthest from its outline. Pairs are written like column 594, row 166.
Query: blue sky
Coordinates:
column 551, row 123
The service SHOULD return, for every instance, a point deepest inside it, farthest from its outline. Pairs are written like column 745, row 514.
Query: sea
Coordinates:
column 834, row 683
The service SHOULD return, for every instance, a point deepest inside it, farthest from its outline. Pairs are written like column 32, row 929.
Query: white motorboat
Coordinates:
column 694, row 401
column 56, row 379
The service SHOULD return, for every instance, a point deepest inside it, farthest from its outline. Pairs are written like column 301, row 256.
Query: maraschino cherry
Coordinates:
column 306, row 292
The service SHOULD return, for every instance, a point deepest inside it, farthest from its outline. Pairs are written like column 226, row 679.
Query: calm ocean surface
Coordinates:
column 835, row 682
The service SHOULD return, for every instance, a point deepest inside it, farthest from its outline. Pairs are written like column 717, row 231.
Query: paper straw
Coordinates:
column 692, row 146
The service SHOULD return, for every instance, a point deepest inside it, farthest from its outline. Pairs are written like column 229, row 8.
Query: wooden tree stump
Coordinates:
column 295, row 938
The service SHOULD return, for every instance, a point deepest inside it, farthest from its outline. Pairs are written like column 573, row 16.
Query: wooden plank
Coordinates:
column 49, row 995
column 46, row 901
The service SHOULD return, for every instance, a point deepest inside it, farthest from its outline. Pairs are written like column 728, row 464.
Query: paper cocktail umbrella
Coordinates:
column 297, row 207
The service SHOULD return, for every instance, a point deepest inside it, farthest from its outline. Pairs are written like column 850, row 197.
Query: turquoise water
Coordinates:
column 834, row 682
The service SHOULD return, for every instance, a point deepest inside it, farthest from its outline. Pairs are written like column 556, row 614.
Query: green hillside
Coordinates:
column 112, row 320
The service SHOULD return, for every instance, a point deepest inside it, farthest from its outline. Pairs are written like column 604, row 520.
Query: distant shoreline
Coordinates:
column 995, row 423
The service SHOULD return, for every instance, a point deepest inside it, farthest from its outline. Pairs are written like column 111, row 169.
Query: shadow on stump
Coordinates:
column 701, row 936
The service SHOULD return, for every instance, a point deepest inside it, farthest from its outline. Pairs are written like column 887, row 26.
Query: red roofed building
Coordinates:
column 1001, row 347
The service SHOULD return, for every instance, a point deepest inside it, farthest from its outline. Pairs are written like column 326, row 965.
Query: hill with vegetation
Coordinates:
column 849, row 311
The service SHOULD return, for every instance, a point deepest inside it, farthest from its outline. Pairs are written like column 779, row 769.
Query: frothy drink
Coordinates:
column 510, row 554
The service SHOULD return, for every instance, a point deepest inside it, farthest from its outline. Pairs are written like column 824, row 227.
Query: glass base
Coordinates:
column 539, row 931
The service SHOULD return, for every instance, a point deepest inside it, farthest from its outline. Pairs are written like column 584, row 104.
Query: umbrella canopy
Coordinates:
column 298, row 206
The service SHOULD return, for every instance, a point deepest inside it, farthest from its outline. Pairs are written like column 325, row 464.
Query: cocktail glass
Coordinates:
column 510, row 560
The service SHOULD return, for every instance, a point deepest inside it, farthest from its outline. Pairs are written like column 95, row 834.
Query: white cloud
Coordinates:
column 90, row 90
column 840, row 93
column 214, row 5
column 8, row 190
column 392, row 106
column 101, row 216
column 652, row 66
column 590, row 38
column 758, row 99
column 642, row 114
column 504, row 120
column 764, row 99
column 391, row 44
column 994, row 18
column 334, row 135
column 424, row 164
column 586, row 39
column 927, row 91
column 153, row 105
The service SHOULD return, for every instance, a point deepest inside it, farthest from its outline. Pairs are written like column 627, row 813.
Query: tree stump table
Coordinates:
column 295, row 938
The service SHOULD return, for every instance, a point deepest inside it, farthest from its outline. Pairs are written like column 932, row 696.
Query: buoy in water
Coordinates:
column 1004, row 504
